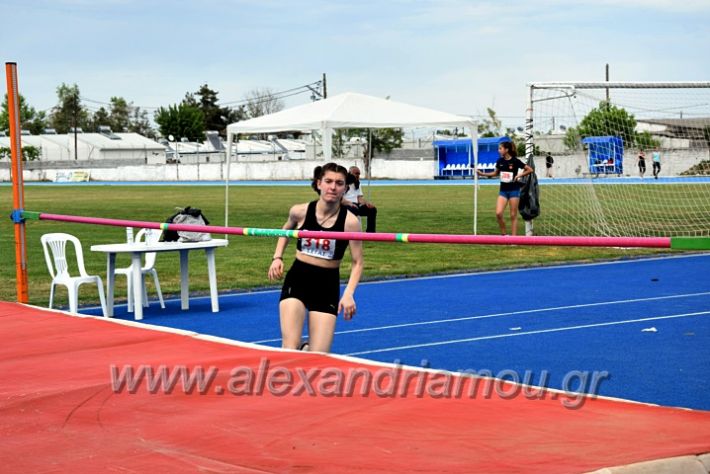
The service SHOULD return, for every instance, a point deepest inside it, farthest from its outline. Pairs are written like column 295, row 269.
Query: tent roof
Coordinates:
column 349, row 110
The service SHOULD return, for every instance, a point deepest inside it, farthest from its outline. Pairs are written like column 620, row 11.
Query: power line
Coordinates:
column 278, row 95
column 306, row 88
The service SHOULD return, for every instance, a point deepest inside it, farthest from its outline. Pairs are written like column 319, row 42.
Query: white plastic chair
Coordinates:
column 148, row 268
column 54, row 246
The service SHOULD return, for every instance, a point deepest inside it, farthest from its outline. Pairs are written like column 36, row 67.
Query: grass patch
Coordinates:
column 243, row 265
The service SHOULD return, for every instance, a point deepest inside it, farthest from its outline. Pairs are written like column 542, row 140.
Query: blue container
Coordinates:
column 605, row 155
column 454, row 157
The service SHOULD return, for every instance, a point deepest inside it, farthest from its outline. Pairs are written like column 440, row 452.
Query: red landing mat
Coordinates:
column 59, row 412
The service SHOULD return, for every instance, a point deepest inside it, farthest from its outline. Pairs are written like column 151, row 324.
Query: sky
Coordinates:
column 452, row 55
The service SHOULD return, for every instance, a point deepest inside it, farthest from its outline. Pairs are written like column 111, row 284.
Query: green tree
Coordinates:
column 572, row 140
column 181, row 120
column 69, row 112
column 29, row 153
column 646, row 140
column 609, row 120
column 30, row 119
column 491, row 126
column 384, row 140
column 140, row 123
column 520, row 147
column 216, row 117
column 120, row 116
column 100, row 117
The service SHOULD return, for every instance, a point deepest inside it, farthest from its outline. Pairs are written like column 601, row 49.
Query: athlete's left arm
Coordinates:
column 526, row 171
column 347, row 302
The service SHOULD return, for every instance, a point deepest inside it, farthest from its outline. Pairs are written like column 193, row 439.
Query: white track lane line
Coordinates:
column 498, row 315
column 541, row 331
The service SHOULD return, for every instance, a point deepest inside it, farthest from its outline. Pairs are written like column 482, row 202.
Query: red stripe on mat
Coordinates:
column 58, row 412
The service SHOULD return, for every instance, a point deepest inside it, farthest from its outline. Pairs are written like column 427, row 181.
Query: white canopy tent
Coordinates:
column 348, row 110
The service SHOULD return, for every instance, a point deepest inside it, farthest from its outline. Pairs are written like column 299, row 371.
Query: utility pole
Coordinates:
column 325, row 89
column 607, row 80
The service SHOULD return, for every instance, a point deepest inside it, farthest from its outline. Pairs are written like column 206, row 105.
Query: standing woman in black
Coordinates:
column 510, row 169
column 641, row 162
column 312, row 285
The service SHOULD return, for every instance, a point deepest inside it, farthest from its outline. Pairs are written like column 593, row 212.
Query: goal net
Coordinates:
column 627, row 159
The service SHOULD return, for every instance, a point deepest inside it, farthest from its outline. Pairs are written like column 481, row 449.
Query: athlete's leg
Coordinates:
column 500, row 207
column 513, row 203
column 292, row 315
column 321, row 327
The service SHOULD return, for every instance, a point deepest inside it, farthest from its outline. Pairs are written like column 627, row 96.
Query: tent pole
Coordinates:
column 327, row 141
column 228, row 158
column 474, row 151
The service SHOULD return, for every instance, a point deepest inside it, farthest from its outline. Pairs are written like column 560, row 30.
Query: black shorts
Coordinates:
column 316, row 287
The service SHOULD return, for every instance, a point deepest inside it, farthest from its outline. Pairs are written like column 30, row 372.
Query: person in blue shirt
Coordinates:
column 656, row 156
column 511, row 170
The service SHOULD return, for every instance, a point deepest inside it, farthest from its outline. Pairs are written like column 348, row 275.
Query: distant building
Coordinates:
column 676, row 133
column 92, row 146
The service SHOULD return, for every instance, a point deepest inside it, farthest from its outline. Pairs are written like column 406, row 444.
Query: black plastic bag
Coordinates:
column 529, row 207
column 188, row 215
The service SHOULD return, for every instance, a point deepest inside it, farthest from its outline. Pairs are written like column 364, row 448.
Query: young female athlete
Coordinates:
column 313, row 283
column 510, row 169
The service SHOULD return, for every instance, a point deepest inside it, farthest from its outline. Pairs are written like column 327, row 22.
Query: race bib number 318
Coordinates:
column 320, row 248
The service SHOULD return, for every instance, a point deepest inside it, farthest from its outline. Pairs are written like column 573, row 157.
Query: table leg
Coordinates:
column 110, row 282
column 212, row 272
column 137, row 282
column 184, row 284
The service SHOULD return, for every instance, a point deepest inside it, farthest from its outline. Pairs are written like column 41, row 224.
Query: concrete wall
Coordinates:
column 400, row 164
column 673, row 163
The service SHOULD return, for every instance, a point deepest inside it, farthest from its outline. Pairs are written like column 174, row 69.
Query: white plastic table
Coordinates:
column 138, row 249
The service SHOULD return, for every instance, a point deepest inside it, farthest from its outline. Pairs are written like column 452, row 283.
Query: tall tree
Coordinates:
column 216, row 117
column 30, row 119
column 181, row 121
column 262, row 102
column 609, row 120
column 69, row 112
column 140, row 123
column 120, row 118
column 100, row 117
column 491, row 126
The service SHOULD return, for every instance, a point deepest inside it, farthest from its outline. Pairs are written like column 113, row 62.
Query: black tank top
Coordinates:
column 329, row 249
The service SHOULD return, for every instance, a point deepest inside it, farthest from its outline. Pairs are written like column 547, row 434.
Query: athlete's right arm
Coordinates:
column 295, row 216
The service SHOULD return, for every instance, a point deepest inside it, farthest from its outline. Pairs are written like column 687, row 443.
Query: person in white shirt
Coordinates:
column 355, row 201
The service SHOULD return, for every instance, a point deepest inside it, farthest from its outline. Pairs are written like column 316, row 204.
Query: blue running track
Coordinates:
column 641, row 327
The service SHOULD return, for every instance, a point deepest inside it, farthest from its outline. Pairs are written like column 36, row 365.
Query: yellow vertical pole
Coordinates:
column 18, row 189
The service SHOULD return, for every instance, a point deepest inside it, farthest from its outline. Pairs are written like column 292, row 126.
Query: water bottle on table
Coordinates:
column 129, row 235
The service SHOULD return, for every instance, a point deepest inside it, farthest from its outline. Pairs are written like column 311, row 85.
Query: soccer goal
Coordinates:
column 628, row 159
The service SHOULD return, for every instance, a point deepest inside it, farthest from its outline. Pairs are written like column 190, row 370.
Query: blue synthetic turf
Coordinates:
column 666, row 364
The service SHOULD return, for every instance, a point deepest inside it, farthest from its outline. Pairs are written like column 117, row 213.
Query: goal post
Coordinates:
column 629, row 158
